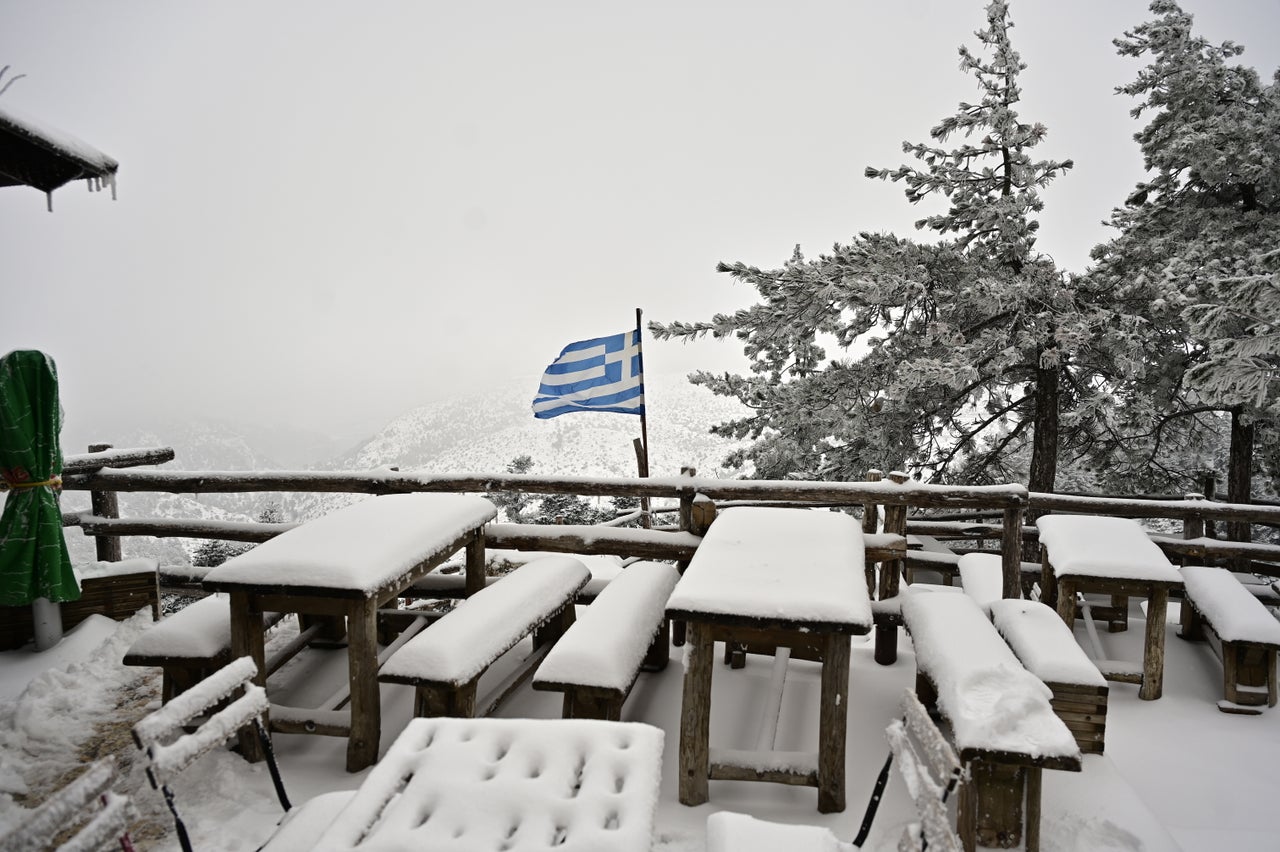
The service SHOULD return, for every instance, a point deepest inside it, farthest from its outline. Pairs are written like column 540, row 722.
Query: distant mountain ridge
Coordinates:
column 479, row 433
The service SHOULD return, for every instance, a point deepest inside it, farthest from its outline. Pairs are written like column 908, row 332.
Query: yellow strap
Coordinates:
column 56, row 482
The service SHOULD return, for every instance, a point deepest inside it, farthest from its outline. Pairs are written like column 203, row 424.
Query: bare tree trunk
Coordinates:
column 1044, row 446
column 1239, row 477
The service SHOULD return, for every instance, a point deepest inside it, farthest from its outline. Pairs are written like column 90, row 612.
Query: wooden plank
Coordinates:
column 720, row 771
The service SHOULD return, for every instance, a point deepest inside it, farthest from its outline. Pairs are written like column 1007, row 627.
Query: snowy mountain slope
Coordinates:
column 482, row 432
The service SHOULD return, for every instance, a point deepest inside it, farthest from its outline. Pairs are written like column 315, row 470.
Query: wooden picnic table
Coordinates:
column 791, row 578
column 1088, row 553
column 344, row 566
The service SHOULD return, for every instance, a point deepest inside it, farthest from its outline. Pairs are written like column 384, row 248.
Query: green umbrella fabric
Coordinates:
column 34, row 562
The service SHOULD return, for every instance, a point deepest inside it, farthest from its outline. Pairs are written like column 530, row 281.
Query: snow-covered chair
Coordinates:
column 74, row 804
column 929, row 768
column 170, row 749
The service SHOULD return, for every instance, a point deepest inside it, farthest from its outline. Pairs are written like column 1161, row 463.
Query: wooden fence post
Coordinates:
column 895, row 522
column 870, row 523
column 1193, row 527
column 1011, row 552
column 105, row 504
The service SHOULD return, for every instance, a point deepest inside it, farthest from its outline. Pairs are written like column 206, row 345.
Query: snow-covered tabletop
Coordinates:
column 480, row 785
column 361, row 548
column 993, row 703
column 793, row 566
column 1102, row 547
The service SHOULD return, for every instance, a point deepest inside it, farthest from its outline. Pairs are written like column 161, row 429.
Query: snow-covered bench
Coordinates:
column 598, row 659
column 189, row 645
column 445, row 662
column 1001, row 719
column 982, row 577
column 1042, row 643
column 1246, row 635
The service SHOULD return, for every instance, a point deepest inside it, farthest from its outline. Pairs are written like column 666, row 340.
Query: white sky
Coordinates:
column 332, row 212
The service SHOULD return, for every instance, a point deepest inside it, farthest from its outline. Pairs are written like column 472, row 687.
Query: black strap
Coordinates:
column 265, row 739
column 877, row 793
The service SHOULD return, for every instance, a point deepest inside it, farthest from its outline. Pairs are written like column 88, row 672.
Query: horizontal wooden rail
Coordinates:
column 395, row 482
column 1123, row 507
column 89, row 462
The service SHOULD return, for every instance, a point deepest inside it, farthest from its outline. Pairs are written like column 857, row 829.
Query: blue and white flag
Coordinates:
column 604, row 374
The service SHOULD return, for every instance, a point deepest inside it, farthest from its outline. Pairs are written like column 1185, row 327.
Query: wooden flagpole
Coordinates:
column 642, row 443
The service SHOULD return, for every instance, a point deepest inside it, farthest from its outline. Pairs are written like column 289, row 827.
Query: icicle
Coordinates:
column 49, row 201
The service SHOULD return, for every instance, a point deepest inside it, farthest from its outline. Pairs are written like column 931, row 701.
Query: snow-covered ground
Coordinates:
column 1177, row 773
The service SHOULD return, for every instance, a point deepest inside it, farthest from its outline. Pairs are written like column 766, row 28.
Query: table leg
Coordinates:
column 695, row 716
column 247, row 640
column 1153, row 649
column 362, row 673
column 475, row 564
column 1067, row 601
column 833, row 718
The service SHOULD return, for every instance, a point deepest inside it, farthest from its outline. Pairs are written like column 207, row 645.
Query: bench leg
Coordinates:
column 578, row 706
column 886, row 651
column 460, row 702
column 555, row 627
column 695, row 716
column 1192, row 624
column 994, row 809
column 1153, row 647
column 833, row 720
column 659, row 653
column 1120, row 623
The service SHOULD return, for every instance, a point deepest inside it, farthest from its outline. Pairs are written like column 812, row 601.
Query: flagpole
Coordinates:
column 642, row 456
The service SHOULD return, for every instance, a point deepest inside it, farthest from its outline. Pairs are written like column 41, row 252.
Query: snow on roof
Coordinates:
column 770, row 563
column 1096, row 546
column 1236, row 615
column 359, row 547
column 34, row 154
column 991, row 700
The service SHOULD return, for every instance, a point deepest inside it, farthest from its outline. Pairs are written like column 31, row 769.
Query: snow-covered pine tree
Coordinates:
column 1196, row 244
column 951, row 355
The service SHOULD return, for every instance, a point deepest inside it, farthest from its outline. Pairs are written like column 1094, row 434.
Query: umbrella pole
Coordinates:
column 47, row 618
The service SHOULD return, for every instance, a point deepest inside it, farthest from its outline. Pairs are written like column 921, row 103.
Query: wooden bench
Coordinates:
column 1001, row 720
column 1244, row 635
column 445, row 662
column 597, row 661
column 189, row 645
column 1042, row 643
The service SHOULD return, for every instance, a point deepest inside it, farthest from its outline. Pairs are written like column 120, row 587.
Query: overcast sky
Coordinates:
column 332, row 212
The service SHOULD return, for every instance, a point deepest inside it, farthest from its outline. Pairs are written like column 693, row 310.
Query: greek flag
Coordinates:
column 604, row 374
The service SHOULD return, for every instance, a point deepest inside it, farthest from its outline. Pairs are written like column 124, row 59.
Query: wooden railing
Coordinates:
column 908, row 506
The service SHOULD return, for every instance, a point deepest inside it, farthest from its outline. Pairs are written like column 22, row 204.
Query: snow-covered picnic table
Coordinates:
column 770, row 577
column 1087, row 553
column 580, row 785
column 345, row 565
